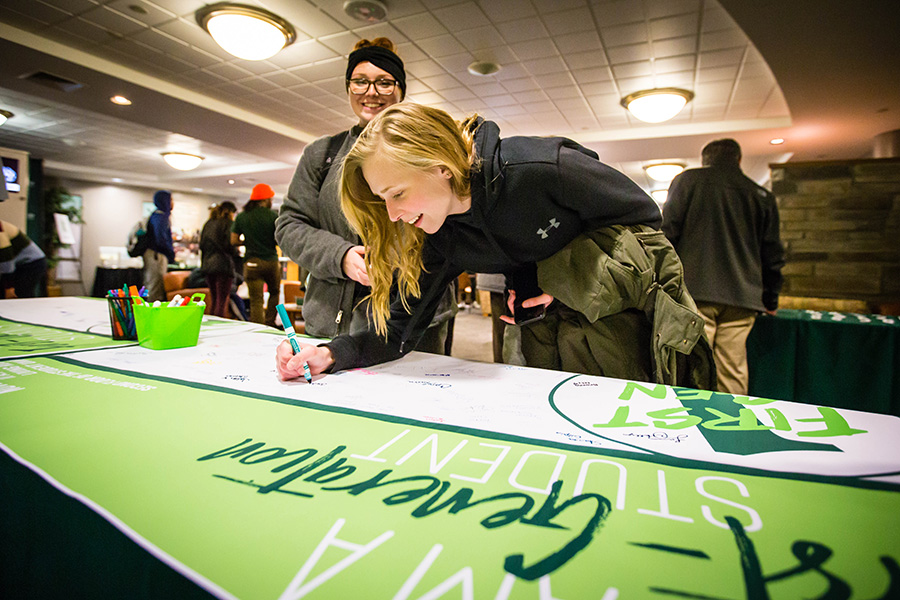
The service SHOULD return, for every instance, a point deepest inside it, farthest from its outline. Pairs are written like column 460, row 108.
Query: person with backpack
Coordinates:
column 312, row 230
column 160, row 251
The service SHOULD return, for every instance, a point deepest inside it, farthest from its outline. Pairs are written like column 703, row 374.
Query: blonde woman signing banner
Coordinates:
column 576, row 239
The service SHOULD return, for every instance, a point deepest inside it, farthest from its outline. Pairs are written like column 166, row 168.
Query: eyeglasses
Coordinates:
column 384, row 87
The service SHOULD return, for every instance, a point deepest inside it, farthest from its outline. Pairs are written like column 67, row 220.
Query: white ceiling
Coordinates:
column 565, row 66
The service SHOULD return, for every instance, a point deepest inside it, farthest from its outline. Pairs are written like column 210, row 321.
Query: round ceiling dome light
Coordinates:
column 182, row 161
column 247, row 32
column 664, row 172
column 4, row 115
column 657, row 105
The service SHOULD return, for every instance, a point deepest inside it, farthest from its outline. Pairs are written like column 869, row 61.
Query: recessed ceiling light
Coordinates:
column 664, row 172
column 117, row 180
column 483, row 68
column 4, row 115
column 657, row 105
column 245, row 31
column 368, row 11
column 120, row 100
column 231, row 182
column 182, row 161
column 776, row 141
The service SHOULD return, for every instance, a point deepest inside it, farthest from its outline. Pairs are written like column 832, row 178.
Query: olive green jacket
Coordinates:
column 633, row 268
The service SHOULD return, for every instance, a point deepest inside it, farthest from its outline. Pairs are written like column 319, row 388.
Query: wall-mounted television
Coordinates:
column 11, row 174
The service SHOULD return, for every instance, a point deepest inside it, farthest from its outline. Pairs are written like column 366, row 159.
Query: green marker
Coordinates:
column 292, row 338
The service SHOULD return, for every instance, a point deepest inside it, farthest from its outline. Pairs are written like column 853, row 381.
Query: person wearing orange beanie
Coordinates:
column 256, row 223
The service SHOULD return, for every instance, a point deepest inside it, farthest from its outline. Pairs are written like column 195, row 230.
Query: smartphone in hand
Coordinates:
column 522, row 315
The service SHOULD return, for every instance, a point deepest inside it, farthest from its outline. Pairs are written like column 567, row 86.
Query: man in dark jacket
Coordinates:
column 725, row 229
column 161, row 251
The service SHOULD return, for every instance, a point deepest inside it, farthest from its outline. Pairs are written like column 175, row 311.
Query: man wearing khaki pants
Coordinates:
column 725, row 229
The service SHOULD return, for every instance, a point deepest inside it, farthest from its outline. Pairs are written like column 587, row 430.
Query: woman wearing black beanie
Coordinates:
column 312, row 230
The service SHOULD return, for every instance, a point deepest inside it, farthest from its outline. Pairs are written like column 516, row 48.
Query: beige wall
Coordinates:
column 109, row 212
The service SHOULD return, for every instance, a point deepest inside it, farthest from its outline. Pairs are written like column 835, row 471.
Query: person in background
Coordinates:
column 218, row 255
column 23, row 265
column 432, row 198
column 160, row 251
column 311, row 228
column 495, row 285
column 725, row 229
column 256, row 223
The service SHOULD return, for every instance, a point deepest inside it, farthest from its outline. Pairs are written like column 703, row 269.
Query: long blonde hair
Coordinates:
column 414, row 136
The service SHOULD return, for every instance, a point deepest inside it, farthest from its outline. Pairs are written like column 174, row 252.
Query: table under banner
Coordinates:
column 195, row 472
column 844, row 360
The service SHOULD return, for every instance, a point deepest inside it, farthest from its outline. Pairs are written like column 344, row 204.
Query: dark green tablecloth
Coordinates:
column 831, row 359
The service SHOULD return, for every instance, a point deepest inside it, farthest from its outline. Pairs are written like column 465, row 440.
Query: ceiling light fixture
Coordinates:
column 4, row 115
column 367, row 11
column 660, row 196
column 483, row 68
column 657, row 105
column 120, row 100
column 664, row 172
column 247, row 32
column 776, row 141
column 182, row 161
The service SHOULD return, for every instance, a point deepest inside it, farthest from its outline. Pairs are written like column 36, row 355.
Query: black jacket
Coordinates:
column 530, row 198
column 725, row 229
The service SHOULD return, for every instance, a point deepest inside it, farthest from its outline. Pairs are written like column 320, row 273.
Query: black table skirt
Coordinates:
column 107, row 278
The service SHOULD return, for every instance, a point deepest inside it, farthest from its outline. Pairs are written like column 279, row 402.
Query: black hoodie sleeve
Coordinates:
column 600, row 194
column 405, row 329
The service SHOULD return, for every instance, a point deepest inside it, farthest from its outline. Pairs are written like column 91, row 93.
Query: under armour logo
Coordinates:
column 543, row 232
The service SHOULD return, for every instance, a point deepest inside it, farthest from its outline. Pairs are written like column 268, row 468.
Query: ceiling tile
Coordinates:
column 619, row 13
column 522, row 30
column 421, row 26
column 441, row 46
column 715, row 18
column 673, row 27
column 674, row 64
column 113, row 20
column 631, row 70
column 521, row 85
column 726, row 74
column 674, row 46
column 720, row 58
column 479, row 37
column 622, row 35
column 585, row 41
column 466, row 12
column 424, row 68
column 500, row 11
column 540, row 48
column 724, row 38
column 569, row 21
column 668, row 8
column 627, row 54
column 544, row 66
column 455, row 94
column 145, row 12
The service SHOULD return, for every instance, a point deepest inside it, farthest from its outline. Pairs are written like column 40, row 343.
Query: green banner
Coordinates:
column 263, row 499
column 23, row 339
